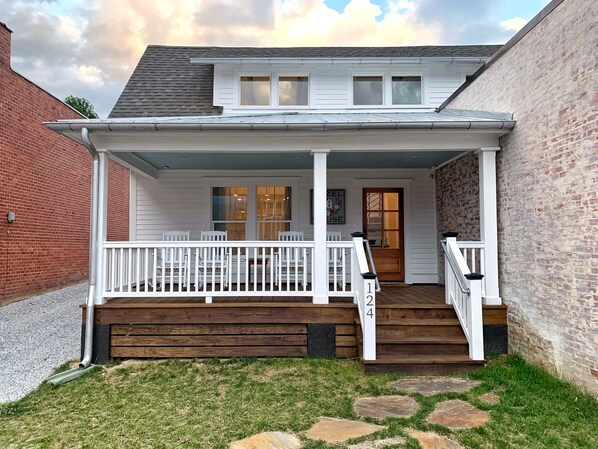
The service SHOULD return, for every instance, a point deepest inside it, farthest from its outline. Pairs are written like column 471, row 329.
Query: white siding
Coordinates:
column 329, row 86
column 443, row 81
column 180, row 200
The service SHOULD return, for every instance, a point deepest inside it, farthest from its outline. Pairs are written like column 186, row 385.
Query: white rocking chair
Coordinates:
column 289, row 263
column 172, row 262
column 335, row 260
column 214, row 262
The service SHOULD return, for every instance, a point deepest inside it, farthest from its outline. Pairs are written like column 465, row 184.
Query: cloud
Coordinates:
column 89, row 48
column 514, row 24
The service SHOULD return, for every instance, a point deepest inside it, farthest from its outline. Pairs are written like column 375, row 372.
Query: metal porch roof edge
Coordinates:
column 294, row 121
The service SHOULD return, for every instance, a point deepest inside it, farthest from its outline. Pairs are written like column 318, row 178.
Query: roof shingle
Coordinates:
column 165, row 83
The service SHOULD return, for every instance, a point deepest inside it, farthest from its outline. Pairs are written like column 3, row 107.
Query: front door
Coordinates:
column 383, row 227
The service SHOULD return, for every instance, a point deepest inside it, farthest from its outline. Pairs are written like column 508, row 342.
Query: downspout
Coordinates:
column 85, row 364
column 93, row 249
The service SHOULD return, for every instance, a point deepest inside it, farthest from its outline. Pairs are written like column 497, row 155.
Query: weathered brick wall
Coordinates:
column 458, row 201
column 46, row 180
column 548, row 189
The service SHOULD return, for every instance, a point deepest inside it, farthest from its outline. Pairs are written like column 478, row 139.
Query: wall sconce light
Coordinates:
column 11, row 216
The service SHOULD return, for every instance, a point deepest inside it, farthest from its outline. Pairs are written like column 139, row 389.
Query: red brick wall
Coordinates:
column 46, row 180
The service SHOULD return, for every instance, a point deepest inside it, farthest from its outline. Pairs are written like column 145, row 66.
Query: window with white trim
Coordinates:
column 368, row 90
column 406, row 90
column 254, row 91
column 246, row 213
column 293, row 90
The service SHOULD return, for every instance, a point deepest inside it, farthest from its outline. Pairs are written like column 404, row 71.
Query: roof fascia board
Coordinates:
column 340, row 61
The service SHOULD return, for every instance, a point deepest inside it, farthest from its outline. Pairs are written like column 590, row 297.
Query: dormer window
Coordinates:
column 293, row 90
column 255, row 91
column 368, row 90
column 406, row 90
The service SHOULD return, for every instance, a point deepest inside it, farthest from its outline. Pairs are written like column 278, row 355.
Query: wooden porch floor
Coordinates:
column 389, row 295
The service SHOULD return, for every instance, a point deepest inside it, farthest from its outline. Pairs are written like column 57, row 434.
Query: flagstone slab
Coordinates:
column 490, row 398
column 458, row 414
column 268, row 440
column 429, row 386
column 378, row 444
column 334, row 430
column 431, row 440
column 386, row 407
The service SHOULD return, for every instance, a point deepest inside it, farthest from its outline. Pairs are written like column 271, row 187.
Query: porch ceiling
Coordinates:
column 295, row 160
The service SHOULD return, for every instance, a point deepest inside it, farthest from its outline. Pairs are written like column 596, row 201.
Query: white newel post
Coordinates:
column 369, row 316
column 475, row 318
column 102, row 225
column 488, row 223
column 320, row 268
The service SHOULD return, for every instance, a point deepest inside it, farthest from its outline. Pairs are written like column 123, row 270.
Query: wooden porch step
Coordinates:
column 421, row 364
column 387, row 313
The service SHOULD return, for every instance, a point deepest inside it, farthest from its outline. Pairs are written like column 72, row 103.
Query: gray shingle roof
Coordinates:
column 166, row 84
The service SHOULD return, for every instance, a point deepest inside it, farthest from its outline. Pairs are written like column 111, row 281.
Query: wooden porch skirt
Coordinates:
column 189, row 330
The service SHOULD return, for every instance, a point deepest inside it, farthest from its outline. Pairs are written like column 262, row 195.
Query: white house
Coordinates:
column 316, row 143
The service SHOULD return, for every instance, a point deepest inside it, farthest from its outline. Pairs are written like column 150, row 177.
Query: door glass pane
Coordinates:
column 367, row 90
column 374, row 201
column 235, row 231
column 391, row 201
column 374, row 220
column 255, row 90
column 293, row 90
column 392, row 239
column 406, row 90
column 273, row 211
column 391, row 220
column 229, row 204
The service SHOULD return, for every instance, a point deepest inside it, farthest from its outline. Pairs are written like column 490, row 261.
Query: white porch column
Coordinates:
column 488, row 223
column 320, row 268
column 102, row 226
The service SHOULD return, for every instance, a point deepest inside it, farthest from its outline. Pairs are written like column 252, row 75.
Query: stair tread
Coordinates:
column 422, row 359
column 417, row 322
column 421, row 340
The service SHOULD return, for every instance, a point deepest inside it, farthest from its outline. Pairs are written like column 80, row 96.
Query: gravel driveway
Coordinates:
column 37, row 335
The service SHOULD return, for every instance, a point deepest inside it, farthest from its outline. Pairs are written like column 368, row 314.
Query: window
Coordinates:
column 367, row 90
column 229, row 211
column 273, row 211
column 406, row 90
column 293, row 90
column 246, row 212
column 255, row 91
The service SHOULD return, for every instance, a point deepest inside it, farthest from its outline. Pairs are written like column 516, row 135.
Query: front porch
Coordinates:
column 251, row 179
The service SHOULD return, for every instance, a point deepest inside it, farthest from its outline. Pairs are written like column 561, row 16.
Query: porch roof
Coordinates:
column 300, row 121
column 421, row 139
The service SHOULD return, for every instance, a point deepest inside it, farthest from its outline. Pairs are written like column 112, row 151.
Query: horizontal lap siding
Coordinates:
column 181, row 201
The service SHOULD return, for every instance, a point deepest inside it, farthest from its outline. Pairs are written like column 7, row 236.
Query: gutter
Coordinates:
column 85, row 364
column 351, row 126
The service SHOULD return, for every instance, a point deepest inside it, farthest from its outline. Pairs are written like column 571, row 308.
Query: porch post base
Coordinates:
column 492, row 301
column 320, row 299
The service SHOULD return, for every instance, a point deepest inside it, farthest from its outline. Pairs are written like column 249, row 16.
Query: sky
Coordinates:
column 89, row 48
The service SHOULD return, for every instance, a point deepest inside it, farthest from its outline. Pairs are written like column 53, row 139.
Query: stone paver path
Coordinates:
column 431, row 440
column 378, row 444
column 490, row 398
column 457, row 414
column 386, row 407
column 333, row 430
column 268, row 440
column 435, row 385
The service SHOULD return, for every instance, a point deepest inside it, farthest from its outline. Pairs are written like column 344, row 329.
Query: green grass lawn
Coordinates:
column 208, row 404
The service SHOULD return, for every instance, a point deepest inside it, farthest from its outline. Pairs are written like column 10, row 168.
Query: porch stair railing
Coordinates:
column 463, row 289
column 364, row 282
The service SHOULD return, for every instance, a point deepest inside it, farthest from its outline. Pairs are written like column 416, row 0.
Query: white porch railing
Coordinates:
column 473, row 252
column 464, row 291
column 216, row 269
column 364, row 296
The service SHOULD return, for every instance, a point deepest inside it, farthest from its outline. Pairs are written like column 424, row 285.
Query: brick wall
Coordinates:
column 458, row 201
column 46, row 179
column 548, row 189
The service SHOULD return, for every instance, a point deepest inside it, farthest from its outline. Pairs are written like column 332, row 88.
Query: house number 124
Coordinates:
column 369, row 302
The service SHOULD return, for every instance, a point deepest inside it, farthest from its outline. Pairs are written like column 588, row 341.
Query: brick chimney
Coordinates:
column 5, row 33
